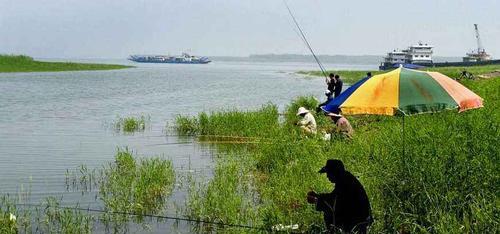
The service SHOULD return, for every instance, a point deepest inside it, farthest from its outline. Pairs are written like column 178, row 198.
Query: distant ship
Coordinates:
column 184, row 58
column 420, row 55
column 415, row 56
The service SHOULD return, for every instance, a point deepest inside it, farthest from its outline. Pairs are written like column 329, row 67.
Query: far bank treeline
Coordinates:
column 23, row 63
column 446, row 182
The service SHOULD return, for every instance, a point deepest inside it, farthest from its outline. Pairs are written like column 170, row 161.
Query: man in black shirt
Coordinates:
column 338, row 86
column 347, row 207
column 331, row 82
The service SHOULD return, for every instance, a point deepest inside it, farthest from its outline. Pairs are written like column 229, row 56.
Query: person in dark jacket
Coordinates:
column 338, row 86
column 347, row 207
column 331, row 83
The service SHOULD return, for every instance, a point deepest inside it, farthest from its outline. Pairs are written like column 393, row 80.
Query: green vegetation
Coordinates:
column 454, row 72
column 132, row 124
column 445, row 182
column 23, row 63
column 136, row 186
column 56, row 219
column 230, row 123
column 8, row 219
column 48, row 217
column 128, row 185
column 228, row 197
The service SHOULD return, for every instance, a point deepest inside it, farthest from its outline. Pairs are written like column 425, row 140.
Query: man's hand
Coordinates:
column 312, row 197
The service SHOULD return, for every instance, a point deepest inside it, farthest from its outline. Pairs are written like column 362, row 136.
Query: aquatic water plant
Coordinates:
column 46, row 217
column 57, row 219
column 186, row 125
column 8, row 218
column 445, row 181
column 23, row 63
column 230, row 122
column 138, row 186
column 230, row 196
column 132, row 124
column 129, row 185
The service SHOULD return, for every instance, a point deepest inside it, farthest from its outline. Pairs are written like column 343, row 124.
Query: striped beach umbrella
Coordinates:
column 404, row 92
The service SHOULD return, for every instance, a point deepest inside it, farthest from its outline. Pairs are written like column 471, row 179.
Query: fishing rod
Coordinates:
column 177, row 218
column 304, row 39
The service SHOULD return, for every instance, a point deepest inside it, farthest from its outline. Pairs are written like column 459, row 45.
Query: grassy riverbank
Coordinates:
column 446, row 182
column 22, row 63
column 353, row 76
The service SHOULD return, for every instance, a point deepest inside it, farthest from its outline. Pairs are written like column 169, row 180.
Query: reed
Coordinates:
column 46, row 217
column 137, row 186
column 57, row 219
column 132, row 124
column 130, row 184
column 261, row 122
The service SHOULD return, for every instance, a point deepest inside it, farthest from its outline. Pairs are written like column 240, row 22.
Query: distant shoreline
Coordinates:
column 23, row 63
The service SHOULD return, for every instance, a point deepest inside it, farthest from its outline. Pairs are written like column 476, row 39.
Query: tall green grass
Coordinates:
column 446, row 181
column 133, row 185
column 23, row 63
column 228, row 198
column 132, row 124
column 47, row 217
column 138, row 186
column 230, row 123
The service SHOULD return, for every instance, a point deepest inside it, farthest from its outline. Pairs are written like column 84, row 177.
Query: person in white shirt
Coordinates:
column 308, row 123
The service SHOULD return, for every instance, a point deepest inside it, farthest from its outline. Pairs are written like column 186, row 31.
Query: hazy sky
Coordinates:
column 117, row 28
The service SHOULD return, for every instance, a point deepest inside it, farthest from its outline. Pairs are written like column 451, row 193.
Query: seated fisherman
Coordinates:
column 342, row 125
column 329, row 97
column 308, row 123
column 347, row 207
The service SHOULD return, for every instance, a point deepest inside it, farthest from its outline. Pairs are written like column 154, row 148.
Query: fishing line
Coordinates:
column 304, row 39
column 150, row 216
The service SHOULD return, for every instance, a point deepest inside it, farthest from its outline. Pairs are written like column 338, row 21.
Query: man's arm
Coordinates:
column 325, row 202
column 306, row 120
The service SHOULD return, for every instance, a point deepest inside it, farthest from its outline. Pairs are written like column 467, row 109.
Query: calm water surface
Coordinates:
column 51, row 122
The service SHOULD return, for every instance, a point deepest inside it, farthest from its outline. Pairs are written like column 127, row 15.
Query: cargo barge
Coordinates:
column 183, row 59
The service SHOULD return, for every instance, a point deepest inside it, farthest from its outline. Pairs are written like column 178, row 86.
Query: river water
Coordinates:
column 52, row 122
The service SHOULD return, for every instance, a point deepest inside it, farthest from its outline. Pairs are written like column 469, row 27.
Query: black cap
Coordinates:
column 333, row 166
